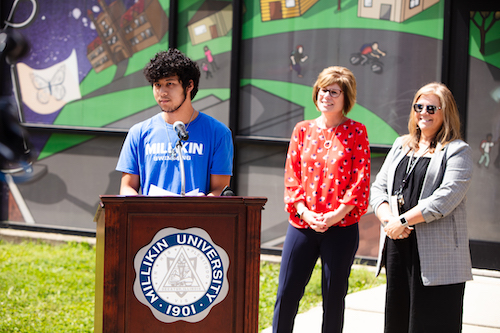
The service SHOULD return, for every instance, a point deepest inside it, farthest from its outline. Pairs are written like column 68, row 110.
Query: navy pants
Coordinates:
column 336, row 247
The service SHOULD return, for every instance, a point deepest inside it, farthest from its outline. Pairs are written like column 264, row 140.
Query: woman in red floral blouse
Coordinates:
column 327, row 180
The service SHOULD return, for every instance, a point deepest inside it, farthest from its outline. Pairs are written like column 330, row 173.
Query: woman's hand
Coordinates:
column 384, row 213
column 315, row 220
column 333, row 217
column 395, row 230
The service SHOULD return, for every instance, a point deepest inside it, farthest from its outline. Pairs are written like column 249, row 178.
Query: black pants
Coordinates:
column 336, row 247
column 411, row 306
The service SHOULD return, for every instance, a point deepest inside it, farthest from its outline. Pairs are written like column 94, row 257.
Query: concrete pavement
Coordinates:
column 365, row 309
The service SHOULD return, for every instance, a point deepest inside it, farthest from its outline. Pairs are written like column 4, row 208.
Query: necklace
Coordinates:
column 171, row 150
column 328, row 144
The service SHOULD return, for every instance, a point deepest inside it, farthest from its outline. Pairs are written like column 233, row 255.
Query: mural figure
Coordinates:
column 205, row 69
column 370, row 54
column 371, row 51
column 297, row 57
column 485, row 147
column 210, row 58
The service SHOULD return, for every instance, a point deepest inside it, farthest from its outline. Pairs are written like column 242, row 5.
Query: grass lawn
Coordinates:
column 50, row 288
column 46, row 288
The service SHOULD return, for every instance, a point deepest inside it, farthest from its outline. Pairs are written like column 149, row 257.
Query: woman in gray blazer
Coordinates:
column 419, row 197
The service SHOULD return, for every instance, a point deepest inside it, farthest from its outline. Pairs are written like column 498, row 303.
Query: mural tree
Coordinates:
column 483, row 29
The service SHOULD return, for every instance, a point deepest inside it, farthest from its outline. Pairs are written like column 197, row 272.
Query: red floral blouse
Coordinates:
column 326, row 171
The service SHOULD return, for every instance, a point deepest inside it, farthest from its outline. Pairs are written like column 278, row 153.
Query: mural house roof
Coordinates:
column 136, row 9
column 94, row 44
column 208, row 8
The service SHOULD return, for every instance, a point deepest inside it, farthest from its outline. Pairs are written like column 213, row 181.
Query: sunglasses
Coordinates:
column 333, row 92
column 431, row 109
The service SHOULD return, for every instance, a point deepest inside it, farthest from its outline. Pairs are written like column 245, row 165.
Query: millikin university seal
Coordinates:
column 181, row 275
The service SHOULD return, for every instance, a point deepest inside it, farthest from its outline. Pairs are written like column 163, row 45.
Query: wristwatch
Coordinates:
column 300, row 212
column 404, row 222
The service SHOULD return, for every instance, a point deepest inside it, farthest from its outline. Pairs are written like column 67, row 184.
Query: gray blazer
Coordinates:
column 442, row 240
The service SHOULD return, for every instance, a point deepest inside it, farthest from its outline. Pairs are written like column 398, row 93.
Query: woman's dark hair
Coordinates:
column 170, row 63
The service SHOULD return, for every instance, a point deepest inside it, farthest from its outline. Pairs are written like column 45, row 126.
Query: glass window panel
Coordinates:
column 91, row 77
column 260, row 174
column 205, row 35
column 65, row 187
column 483, row 127
column 283, row 51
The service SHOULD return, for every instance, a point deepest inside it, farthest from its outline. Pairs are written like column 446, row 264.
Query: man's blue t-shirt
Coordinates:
column 147, row 147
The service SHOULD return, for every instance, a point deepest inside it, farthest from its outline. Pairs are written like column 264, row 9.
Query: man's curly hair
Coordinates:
column 170, row 63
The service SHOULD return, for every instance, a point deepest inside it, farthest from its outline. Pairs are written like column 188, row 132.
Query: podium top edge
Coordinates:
column 177, row 199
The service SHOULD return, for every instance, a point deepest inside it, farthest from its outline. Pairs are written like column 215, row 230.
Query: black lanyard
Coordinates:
column 409, row 169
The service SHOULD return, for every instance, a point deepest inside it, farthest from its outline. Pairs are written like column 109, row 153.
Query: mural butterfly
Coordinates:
column 54, row 87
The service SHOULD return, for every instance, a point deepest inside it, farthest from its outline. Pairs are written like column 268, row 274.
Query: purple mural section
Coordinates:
column 53, row 33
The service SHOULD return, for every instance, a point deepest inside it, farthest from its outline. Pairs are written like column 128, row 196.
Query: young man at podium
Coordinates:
column 150, row 159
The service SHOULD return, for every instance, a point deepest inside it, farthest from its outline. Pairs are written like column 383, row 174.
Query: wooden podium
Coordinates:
column 127, row 229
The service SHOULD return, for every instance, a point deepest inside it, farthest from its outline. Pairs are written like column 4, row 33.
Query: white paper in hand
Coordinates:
column 156, row 191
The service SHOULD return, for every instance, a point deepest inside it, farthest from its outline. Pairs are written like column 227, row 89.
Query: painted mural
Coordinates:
column 85, row 70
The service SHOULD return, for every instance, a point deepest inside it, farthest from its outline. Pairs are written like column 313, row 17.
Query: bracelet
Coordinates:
column 300, row 212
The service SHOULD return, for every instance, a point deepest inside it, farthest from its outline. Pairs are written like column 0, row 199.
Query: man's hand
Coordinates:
column 217, row 184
